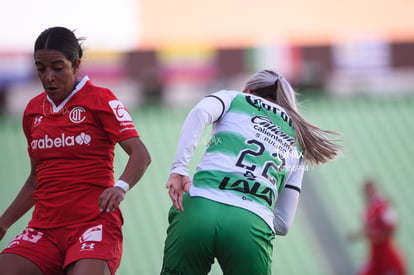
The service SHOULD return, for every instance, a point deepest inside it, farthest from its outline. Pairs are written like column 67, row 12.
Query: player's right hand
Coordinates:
column 178, row 185
column 110, row 198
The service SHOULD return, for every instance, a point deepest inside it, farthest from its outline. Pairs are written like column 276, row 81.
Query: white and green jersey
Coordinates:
column 251, row 156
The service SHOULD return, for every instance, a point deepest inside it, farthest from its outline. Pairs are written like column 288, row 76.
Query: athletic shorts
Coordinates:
column 54, row 249
column 239, row 239
column 390, row 262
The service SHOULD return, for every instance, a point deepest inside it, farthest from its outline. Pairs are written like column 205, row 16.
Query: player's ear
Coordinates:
column 77, row 65
column 247, row 91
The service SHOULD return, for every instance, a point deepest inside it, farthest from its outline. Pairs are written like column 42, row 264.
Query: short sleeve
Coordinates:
column 115, row 118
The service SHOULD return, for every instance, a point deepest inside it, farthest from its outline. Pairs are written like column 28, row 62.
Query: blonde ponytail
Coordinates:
column 316, row 144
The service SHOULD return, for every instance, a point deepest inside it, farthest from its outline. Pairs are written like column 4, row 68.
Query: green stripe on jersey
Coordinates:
column 227, row 143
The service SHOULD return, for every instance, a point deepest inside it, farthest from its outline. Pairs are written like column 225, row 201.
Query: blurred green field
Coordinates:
column 377, row 133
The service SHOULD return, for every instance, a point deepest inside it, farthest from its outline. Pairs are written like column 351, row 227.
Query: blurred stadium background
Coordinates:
column 351, row 62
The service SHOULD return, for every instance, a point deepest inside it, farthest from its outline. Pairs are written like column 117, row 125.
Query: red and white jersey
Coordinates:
column 380, row 223
column 72, row 145
column 380, row 219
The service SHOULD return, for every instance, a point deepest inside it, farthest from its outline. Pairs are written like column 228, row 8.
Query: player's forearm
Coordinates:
column 287, row 202
column 21, row 204
column 138, row 162
column 285, row 210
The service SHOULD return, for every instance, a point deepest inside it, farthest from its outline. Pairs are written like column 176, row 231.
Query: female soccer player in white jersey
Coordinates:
column 71, row 130
column 246, row 187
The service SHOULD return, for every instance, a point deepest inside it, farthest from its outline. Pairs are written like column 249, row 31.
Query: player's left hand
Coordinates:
column 111, row 198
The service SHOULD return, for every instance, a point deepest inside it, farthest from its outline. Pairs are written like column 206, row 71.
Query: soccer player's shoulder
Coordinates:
column 98, row 92
column 36, row 102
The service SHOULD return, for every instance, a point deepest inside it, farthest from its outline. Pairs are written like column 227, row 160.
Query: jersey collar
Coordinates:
column 77, row 88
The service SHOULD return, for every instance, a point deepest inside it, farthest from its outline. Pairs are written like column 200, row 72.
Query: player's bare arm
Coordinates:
column 138, row 161
column 21, row 204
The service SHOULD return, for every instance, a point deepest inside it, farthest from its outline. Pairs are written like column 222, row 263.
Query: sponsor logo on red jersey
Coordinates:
column 119, row 110
column 61, row 141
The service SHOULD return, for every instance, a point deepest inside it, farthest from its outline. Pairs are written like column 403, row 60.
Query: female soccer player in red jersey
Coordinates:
column 379, row 227
column 71, row 130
